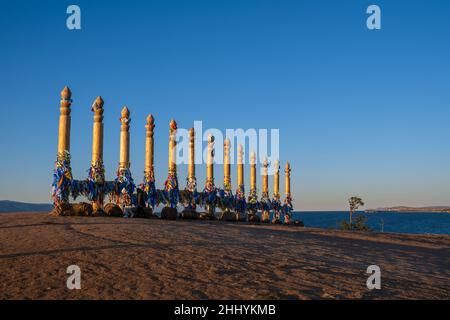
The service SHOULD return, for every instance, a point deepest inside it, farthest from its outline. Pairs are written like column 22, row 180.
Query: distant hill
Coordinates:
column 411, row 209
column 15, row 206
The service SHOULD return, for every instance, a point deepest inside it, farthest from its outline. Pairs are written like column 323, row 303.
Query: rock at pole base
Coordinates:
column 81, row 209
column 227, row 216
column 168, row 213
column 189, row 214
column 241, row 217
column 113, row 210
column 207, row 216
column 253, row 217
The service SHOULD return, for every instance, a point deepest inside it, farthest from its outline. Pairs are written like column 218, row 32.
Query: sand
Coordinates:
column 155, row 259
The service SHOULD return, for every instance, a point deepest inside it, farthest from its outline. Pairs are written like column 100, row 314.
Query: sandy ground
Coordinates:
column 155, row 259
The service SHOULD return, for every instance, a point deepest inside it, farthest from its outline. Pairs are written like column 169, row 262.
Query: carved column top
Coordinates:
column 125, row 116
column 172, row 126
column 97, row 108
column 226, row 151
column 125, row 112
column 252, row 158
column 150, row 125
column 151, row 121
column 66, row 94
column 66, row 101
column 277, row 166
column 287, row 169
column 210, row 139
column 210, row 149
column 226, row 143
column 172, row 147
column 240, row 154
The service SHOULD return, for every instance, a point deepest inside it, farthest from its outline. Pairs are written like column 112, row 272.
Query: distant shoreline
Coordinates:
column 434, row 209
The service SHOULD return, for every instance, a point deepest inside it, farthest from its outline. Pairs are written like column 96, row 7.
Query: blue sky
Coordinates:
column 360, row 112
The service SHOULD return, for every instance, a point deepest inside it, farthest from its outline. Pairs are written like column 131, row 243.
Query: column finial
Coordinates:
column 66, row 94
column 150, row 120
column 98, row 104
column 125, row 112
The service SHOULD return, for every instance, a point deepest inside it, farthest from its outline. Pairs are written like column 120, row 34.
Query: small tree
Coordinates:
column 354, row 203
column 360, row 223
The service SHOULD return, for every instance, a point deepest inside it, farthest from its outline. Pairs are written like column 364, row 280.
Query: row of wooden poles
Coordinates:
column 124, row 162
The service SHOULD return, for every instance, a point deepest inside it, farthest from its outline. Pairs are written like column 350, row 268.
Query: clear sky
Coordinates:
column 360, row 112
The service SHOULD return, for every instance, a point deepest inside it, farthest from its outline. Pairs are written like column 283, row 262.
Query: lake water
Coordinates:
column 417, row 222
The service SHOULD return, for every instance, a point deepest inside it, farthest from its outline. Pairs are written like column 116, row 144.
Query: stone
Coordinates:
column 148, row 213
column 99, row 213
column 82, row 209
column 61, row 209
column 242, row 217
column 113, row 210
column 253, row 218
column 189, row 214
column 227, row 216
column 168, row 213
column 207, row 216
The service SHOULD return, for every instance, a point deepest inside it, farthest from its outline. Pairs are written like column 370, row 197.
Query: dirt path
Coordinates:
column 156, row 259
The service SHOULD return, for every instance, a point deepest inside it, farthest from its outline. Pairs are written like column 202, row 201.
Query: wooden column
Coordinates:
column 287, row 179
column 171, row 184
column 191, row 166
column 210, row 160
column 287, row 190
column 62, row 175
column 240, row 166
column 265, row 200
column 124, row 162
column 97, row 172
column 148, row 184
column 172, row 147
column 191, row 180
column 149, row 149
column 265, row 179
column 276, row 181
column 252, row 171
column 226, row 165
column 97, row 132
column 64, row 122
